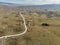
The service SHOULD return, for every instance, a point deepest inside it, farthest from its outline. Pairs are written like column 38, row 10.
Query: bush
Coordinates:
column 45, row 24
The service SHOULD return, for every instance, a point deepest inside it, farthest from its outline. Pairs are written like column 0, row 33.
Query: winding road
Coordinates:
column 19, row 33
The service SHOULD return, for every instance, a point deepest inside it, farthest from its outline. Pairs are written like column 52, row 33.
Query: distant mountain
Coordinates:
column 33, row 6
column 9, row 4
column 43, row 6
column 50, row 6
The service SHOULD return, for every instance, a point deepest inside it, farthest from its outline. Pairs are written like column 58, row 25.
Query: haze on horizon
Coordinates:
column 32, row 2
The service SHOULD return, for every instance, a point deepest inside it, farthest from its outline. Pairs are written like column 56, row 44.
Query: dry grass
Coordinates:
column 10, row 23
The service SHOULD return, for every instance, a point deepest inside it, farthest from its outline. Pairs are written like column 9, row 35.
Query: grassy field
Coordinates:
column 44, row 35
column 11, row 23
column 41, row 35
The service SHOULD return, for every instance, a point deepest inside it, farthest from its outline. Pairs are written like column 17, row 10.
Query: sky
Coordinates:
column 32, row 2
